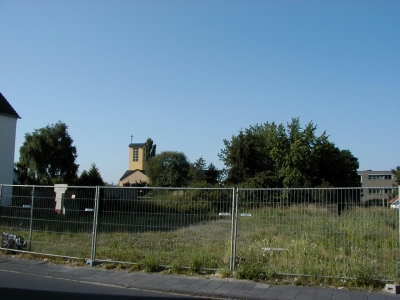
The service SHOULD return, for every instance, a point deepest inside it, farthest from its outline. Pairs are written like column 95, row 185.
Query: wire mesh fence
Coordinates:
column 313, row 232
column 317, row 232
column 52, row 220
column 165, row 226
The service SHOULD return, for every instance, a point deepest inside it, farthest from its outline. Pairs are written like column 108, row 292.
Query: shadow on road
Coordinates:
column 26, row 294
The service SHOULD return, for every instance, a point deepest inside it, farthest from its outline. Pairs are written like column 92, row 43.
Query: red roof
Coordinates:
column 393, row 199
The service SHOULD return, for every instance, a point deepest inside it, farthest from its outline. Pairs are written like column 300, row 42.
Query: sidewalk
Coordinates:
column 187, row 285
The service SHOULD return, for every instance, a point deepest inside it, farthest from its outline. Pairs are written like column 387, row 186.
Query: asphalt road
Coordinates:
column 18, row 286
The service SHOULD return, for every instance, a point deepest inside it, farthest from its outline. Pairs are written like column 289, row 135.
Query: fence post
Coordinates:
column 1, row 190
column 398, row 246
column 235, row 198
column 92, row 259
column 31, row 219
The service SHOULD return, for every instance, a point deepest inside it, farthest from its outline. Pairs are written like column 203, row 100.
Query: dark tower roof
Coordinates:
column 137, row 144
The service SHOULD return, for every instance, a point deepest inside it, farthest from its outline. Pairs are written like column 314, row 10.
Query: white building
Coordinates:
column 8, row 126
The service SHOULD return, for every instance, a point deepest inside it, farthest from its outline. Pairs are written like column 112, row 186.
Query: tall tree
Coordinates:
column 149, row 149
column 168, row 169
column 271, row 155
column 197, row 170
column 92, row 177
column 200, row 173
column 396, row 173
column 212, row 174
column 48, row 156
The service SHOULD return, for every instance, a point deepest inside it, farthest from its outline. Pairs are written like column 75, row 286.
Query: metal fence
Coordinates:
column 317, row 232
column 313, row 232
column 52, row 220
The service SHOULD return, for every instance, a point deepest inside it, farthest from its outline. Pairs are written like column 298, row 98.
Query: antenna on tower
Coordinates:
column 131, row 138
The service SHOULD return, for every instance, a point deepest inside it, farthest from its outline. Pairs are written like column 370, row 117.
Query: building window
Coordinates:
column 378, row 191
column 135, row 154
column 379, row 177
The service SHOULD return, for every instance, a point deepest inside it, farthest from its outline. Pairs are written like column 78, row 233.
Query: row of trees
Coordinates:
column 173, row 169
column 272, row 155
column 267, row 155
column 48, row 156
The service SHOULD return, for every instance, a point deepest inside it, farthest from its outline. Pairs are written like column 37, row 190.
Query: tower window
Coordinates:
column 135, row 154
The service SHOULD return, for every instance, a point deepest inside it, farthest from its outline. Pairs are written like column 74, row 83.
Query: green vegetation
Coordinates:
column 202, row 176
column 168, row 169
column 149, row 149
column 357, row 248
column 396, row 173
column 91, row 177
column 361, row 244
column 271, row 155
column 261, row 156
column 47, row 156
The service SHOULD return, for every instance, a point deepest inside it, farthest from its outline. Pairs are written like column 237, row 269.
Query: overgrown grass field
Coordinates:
column 361, row 242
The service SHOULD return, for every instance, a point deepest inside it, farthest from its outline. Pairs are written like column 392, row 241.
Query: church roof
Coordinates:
column 129, row 172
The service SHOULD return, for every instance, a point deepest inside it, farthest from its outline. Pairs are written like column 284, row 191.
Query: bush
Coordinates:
column 365, row 276
column 253, row 270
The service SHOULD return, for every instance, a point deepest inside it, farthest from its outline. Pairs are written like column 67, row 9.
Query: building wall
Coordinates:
column 136, row 165
column 8, row 126
column 378, row 185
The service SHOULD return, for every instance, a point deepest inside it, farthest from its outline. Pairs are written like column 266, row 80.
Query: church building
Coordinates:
column 136, row 173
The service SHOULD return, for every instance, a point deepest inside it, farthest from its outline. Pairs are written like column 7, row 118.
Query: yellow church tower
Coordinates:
column 136, row 156
column 136, row 173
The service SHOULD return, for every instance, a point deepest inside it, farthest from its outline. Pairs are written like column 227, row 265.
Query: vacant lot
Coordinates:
column 304, row 239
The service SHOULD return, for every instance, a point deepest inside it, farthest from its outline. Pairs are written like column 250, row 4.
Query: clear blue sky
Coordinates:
column 189, row 74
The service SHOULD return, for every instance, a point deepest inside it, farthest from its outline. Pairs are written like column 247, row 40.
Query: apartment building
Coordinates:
column 378, row 186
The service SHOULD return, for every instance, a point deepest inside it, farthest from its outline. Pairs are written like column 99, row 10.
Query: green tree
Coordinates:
column 201, row 174
column 396, row 173
column 149, row 149
column 48, row 156
column 168, row 169
column 92, row 177
column 243, row 156
column 212, row 174
column 272, row 155
column 197, row 170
